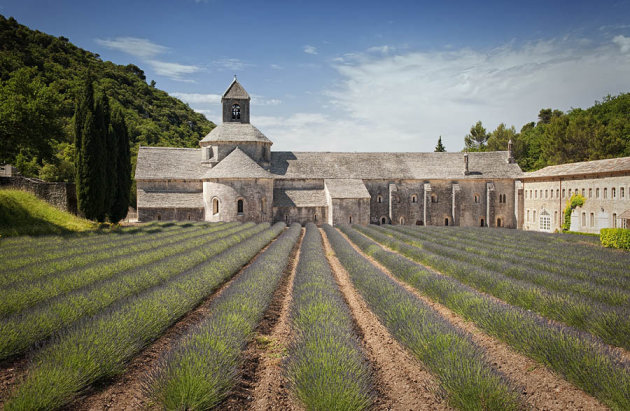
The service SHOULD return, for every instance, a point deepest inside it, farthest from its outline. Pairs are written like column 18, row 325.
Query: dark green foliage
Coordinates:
column 92, row 136
column 439, row 148
column 40, row 79
column 615, row 238
column 598, row 132
column 121, row 183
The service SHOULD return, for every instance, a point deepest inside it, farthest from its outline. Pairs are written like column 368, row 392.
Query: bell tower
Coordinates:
column 235, row 103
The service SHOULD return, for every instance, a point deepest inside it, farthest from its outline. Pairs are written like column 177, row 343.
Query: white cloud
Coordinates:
column 405, row 101
column 174, row 71
column 261, row 101
column 231, row 64
column 196, row 98
column 134, row 46
column 277, row 67
column 623, row 43
column 310, row 49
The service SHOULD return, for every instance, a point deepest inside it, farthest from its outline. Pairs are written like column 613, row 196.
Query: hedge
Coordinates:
column 615, row 238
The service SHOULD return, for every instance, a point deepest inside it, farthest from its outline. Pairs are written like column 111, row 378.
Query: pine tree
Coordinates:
column 440, row 147
column 122, row 185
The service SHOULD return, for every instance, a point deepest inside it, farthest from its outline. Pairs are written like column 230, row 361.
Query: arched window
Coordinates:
column 613, row 192
column 434, row 198
column 215, row 206
column 499, row 222
column 605, row 192
column 482, row 222
column 621, row 193
column 583, row 219
column 236, row 112
column 592, row 220
column 315, row 217
column 401, row 221
column 239, row 206
column 414, row 198
column 350, row 219
column 379, row 198
column 419, row 222
column 614, row 217
column 446, row 221
column 188, row 217
column 383, row 220
column 263, row 201
column 477, row 198
column 159, row 217
column 534, row 215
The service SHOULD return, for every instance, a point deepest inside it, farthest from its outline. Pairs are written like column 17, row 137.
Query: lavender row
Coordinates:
column 326, row 367
column 199, row 371
column 464, row 373
column 575, row 355
column 495, row 259
column 612, row 325
column 23, row 294
column 39, row 322
column 99, row 347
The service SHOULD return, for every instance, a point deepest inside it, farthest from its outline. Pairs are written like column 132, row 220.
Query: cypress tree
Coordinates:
column 440, row 147
column 122, row 156
column 91, row 128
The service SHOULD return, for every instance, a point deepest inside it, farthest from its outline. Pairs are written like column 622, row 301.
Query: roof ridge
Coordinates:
column 169, row 148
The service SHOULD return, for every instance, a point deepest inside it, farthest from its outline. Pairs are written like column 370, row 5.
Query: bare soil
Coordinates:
column 401, row 380
column 541, row 388
column 11, row 373
column 126, row 392
column 263, row 384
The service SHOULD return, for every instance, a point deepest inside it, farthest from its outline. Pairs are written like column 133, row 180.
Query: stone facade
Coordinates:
column 605, row 185
column 235, row 176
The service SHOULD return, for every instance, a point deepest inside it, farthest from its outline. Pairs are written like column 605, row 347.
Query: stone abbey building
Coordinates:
column 235, row 176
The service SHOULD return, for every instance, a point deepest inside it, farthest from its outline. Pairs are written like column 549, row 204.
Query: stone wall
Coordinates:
column 606, row 199
column 170, row 214
column 60, row 195
column 256, row 194
column 350, row 211
column 302, row 215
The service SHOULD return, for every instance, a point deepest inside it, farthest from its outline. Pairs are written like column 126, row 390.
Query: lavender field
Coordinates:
column 253, row 316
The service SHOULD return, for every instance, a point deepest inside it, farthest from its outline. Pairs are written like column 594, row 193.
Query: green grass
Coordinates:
column 22, row 213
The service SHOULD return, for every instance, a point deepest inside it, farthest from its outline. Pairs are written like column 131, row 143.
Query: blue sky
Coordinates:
column 360, row 76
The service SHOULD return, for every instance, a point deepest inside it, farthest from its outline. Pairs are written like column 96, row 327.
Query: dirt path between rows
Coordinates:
column 126, row 392
column 11, row 373
column 541, row 387
column 263, row 384
column 402, row 381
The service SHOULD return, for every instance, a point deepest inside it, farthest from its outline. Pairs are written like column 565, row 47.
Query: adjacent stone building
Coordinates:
column 605, row 185
column 234, row 176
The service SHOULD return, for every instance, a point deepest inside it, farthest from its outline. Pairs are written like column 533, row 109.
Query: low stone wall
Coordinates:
column 60, row 195
column 170, row 214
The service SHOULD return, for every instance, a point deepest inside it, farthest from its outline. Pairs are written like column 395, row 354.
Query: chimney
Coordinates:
column 510, row 153
column 466, row 172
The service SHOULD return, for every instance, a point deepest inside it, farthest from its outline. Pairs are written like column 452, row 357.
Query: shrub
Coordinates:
column 615, row 238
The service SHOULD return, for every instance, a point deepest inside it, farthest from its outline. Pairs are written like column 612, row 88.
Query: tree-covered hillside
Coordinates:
column 598, row 132
column 40, row 78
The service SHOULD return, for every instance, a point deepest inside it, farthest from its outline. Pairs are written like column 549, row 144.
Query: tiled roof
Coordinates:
column 293, row 164
column 298, row 198
column 235, row 90
column 584, row 167
column 237, row 132
column 346, row 188
column 164, row 199
column 166, row 163
column 237, row 164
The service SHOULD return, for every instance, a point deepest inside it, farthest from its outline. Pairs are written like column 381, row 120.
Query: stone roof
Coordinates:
column 585, row 167
column 167, row 163
column 625, row 215
column 235, row 90
column 326, row 165
column 167, row 199
column 298, row 198
column 237, row 164
column 346, row 188
column 236, row 132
